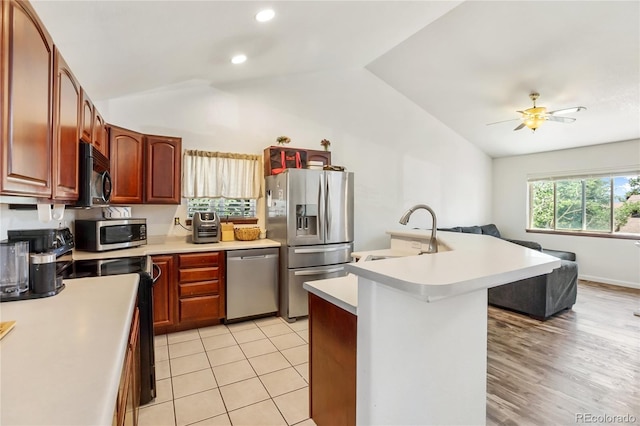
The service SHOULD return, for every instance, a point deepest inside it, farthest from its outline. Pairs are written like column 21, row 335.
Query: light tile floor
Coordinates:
column 250, row 373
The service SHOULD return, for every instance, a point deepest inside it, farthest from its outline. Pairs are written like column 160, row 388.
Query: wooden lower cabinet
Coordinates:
column 128, row 400
column 164, row 295
column 190, row 292
column 332, row 363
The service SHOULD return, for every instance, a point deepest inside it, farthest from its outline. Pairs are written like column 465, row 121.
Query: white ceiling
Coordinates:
column 466, row 63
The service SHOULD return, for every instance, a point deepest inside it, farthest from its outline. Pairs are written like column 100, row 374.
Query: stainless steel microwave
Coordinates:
column 109, row 234
column 95, row 180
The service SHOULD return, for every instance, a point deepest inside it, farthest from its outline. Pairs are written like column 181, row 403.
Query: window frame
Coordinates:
column 226, row 218
column 579, row 232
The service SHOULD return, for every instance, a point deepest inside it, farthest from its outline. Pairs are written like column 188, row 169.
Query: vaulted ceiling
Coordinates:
column 466, row 63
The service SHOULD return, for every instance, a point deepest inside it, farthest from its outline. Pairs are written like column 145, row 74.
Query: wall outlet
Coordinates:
column 188, row 222
column 176, row 221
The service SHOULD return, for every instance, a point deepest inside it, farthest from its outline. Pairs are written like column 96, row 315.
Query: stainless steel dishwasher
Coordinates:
column 252, row 282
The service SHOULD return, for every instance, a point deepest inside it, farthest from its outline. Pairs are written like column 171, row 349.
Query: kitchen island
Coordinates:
column 62, row 362
column 422, row 325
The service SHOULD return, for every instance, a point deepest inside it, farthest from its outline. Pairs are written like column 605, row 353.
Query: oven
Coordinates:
column 109, row 234
column 149, row 273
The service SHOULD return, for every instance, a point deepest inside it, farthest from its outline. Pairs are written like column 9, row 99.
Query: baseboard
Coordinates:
column 609, row 281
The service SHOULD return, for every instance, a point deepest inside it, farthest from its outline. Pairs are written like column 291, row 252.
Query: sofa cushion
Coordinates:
column 490, row 229
column 471, row 229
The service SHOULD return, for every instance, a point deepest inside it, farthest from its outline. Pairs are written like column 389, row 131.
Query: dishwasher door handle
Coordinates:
column 262, row 256
column 319, row 271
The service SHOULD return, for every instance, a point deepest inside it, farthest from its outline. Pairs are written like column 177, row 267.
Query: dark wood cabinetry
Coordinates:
column 144, row 168
column 164, row 294
column 191, row 294
column 163, row 165
column 26, row 108
column 66, row 119
column 100, row 138
column 126, row 158
column 128, row 399
column 86, row 118
column 332, row 363
column 201, row 287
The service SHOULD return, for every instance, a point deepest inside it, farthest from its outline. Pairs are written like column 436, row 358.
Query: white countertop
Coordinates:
column 342, row 291
column 473, row 262
column 171, row 245
column 61, row 363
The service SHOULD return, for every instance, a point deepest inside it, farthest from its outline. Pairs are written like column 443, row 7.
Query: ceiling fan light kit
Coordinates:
column 533, row 117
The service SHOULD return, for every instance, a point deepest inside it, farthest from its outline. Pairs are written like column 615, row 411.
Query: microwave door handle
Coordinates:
column 106, row 187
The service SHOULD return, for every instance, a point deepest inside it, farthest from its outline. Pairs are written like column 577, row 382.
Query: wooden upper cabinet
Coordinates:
column 86, row 119
column 126, row 159
column 66, row 120
column 26, row 106
column 100, row 137
column 163, row 170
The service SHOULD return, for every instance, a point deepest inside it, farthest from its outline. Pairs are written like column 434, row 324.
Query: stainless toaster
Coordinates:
column 206, row 227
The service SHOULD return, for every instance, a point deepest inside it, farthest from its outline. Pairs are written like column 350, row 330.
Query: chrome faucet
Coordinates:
column 433, row 243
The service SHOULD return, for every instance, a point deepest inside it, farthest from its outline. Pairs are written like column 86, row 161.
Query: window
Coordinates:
column 226, row 208
column 593, row 205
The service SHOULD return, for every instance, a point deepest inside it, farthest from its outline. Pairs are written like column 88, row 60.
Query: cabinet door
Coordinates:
column 126, row 150
column 163, row 170
column 65, row 138
column 86, row 118
column 26, row 93
column 164, row 293
column 100, row 137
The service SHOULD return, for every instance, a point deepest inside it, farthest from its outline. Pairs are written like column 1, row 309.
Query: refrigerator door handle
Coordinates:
column 319, row 271
column 322, row 209
column 320, row 250
column 327, row 208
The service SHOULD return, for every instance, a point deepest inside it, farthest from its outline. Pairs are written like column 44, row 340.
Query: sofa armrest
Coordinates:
column 529, row 244
column 564, row 255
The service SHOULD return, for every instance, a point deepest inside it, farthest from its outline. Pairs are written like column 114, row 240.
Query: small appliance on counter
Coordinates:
column 110, row 234
column 206, row 227
column 48, row 251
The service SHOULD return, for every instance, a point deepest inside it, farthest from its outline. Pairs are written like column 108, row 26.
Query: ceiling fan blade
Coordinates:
column 519, row 127
column 560, row 119
column 503, row 121
column 567, row 110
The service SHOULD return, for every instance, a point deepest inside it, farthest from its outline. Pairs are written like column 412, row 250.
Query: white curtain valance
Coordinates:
column 220, row 174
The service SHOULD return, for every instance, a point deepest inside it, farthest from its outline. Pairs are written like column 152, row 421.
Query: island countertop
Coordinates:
column 472, row 262
column 61, row 364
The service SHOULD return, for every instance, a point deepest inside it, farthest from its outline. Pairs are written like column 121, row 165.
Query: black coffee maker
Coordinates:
column 49, row 253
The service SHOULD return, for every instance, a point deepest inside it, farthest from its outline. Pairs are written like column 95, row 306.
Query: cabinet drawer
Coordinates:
column 198, row 288
column 198, row 274
column 200, row 308
column 194, row 260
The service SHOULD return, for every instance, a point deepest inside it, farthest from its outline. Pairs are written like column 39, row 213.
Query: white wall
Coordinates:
column 400, row 154
column 607, row 260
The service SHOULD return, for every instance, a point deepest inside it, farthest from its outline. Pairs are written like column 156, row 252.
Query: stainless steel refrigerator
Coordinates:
column 310, row 212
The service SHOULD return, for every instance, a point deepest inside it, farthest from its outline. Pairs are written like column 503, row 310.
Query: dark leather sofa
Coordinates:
column 539, row 297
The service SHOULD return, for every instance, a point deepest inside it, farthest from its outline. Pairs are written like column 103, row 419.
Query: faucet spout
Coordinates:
column 433, row 243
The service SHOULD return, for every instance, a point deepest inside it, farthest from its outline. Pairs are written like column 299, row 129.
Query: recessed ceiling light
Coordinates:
column 238, row 59
column 265, row 15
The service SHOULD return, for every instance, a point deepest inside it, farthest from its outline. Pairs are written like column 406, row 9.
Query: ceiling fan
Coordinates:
column 533, row 117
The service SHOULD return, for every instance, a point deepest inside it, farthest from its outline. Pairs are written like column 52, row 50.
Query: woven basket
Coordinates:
column 247, row 234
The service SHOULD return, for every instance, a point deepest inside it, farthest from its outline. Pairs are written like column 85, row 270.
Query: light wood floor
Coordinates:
column 585, row 360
